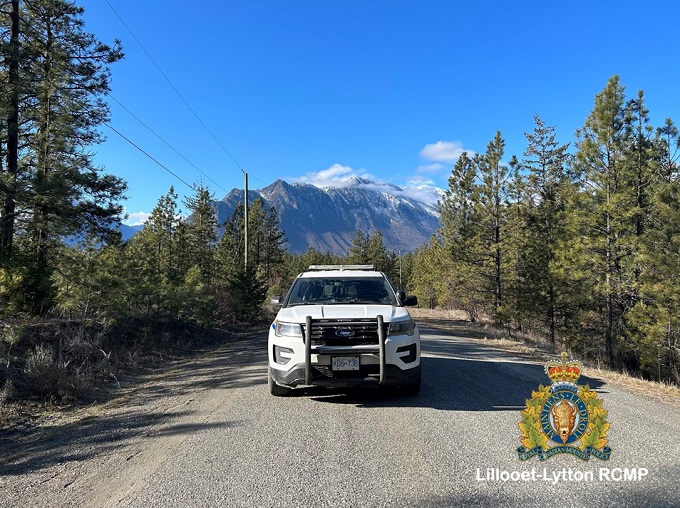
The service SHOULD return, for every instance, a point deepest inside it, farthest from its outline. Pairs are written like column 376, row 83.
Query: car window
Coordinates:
column 341, row 290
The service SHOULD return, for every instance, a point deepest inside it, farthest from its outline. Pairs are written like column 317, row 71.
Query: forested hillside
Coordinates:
column 577, row 242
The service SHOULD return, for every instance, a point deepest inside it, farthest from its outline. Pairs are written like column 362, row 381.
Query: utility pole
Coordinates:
column 245, row 217
column 401, row 285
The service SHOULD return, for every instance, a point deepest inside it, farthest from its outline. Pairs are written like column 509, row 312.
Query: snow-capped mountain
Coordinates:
column 327, row 218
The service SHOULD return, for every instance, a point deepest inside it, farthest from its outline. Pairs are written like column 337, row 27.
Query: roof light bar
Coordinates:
column 341, row 267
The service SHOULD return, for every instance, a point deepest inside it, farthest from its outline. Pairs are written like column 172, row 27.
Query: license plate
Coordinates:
column 345, row 363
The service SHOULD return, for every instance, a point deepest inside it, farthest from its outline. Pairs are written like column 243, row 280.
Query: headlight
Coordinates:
column 288, row 329
column 402, row 328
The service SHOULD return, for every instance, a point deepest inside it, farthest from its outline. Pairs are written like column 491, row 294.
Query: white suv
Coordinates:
column 343, row 325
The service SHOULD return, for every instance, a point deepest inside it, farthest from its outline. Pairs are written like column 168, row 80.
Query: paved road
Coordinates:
column 209, row 434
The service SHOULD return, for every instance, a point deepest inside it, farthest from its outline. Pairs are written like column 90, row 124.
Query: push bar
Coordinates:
column 381, row 340
column 308, row 350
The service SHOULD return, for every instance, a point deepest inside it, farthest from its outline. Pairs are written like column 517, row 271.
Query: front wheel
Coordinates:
column 274, row 389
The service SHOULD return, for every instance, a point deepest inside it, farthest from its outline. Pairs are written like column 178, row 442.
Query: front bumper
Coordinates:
column 389, row 361
column 323, row 376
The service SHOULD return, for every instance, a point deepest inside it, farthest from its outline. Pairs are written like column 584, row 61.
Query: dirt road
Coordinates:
column 207, row 433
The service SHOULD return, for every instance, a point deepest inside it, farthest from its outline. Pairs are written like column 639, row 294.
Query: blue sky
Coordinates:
column 319, row 90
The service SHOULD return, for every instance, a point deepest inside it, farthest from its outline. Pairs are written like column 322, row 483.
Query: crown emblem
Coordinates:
column 564, row 371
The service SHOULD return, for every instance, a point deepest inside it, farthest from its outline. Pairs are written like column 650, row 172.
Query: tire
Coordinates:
column 274, row 389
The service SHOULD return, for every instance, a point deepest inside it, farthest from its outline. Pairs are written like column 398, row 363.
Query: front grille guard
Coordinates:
column 309, row 349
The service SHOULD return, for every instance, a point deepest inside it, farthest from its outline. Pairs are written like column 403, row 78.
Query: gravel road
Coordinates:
column 207, row 433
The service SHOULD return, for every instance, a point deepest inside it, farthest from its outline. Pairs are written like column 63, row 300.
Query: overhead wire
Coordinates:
column 164, row 141
column 149, row 155
column 174, row 87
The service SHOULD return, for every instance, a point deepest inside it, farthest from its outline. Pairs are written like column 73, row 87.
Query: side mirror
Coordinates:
column 406, row 301
column 410, row 301
column 275, row 301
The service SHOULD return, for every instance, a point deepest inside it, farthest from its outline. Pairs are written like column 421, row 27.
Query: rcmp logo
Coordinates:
column 564, row 417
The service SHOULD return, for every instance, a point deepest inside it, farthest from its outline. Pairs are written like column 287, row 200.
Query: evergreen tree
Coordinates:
column 151, row 252
column 55, row 107
column 432, row 277
column 265, row 249
column 492, row 195
column 518, row 263
column 162, row 226
column 654, row 321
column 457, row 211
column 268, row 239
column 605, row 209
column 202, row 231
column 668, row 141
column 547, row 163
column 230, row 248
column 652, row 325
column 249, row 291
column 10, row 93
column 358, row 251
column 458, row 247
column 91, row 281
column 378, row 256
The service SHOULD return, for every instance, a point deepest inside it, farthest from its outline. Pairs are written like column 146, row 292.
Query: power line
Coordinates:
column 164, row 141
column 148, row 155
column 173, row 86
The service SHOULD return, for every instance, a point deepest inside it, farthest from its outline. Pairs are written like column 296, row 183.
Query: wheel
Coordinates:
column 277, row 390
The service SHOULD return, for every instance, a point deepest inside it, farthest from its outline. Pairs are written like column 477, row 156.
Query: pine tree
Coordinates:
column 653, row 323
column 202, row 231
column 249, row 291
column 518, row 264
column 378, row 256
column 434, row 280
column 155, row 258
column 547, row 163
column 492, row 195
column 55, row 106
column 230, row 248
column 605, row 208
column 267, row 245
column 358, row 252
column 461, row 284
column 162, row 224
column 668, row 141
column 456, row 209
column 9, row 109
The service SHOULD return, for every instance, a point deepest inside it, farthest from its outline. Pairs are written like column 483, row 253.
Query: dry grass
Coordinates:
column 452, row 315
column 662, row 392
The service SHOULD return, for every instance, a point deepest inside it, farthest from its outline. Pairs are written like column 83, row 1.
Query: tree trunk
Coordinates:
column 9, row 205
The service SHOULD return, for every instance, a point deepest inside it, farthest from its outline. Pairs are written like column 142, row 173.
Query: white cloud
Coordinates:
column 443, row 151
column 335, row 176
column 422, row 190
column 136, row 218
column 418, row 180
column 418, row 188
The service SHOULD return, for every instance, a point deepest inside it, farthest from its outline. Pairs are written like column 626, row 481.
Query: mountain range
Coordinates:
column 327, row 218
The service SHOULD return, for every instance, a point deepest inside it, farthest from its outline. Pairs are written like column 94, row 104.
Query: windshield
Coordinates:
column 341, row 290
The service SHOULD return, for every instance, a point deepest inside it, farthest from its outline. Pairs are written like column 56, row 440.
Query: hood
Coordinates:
column 299, row 313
